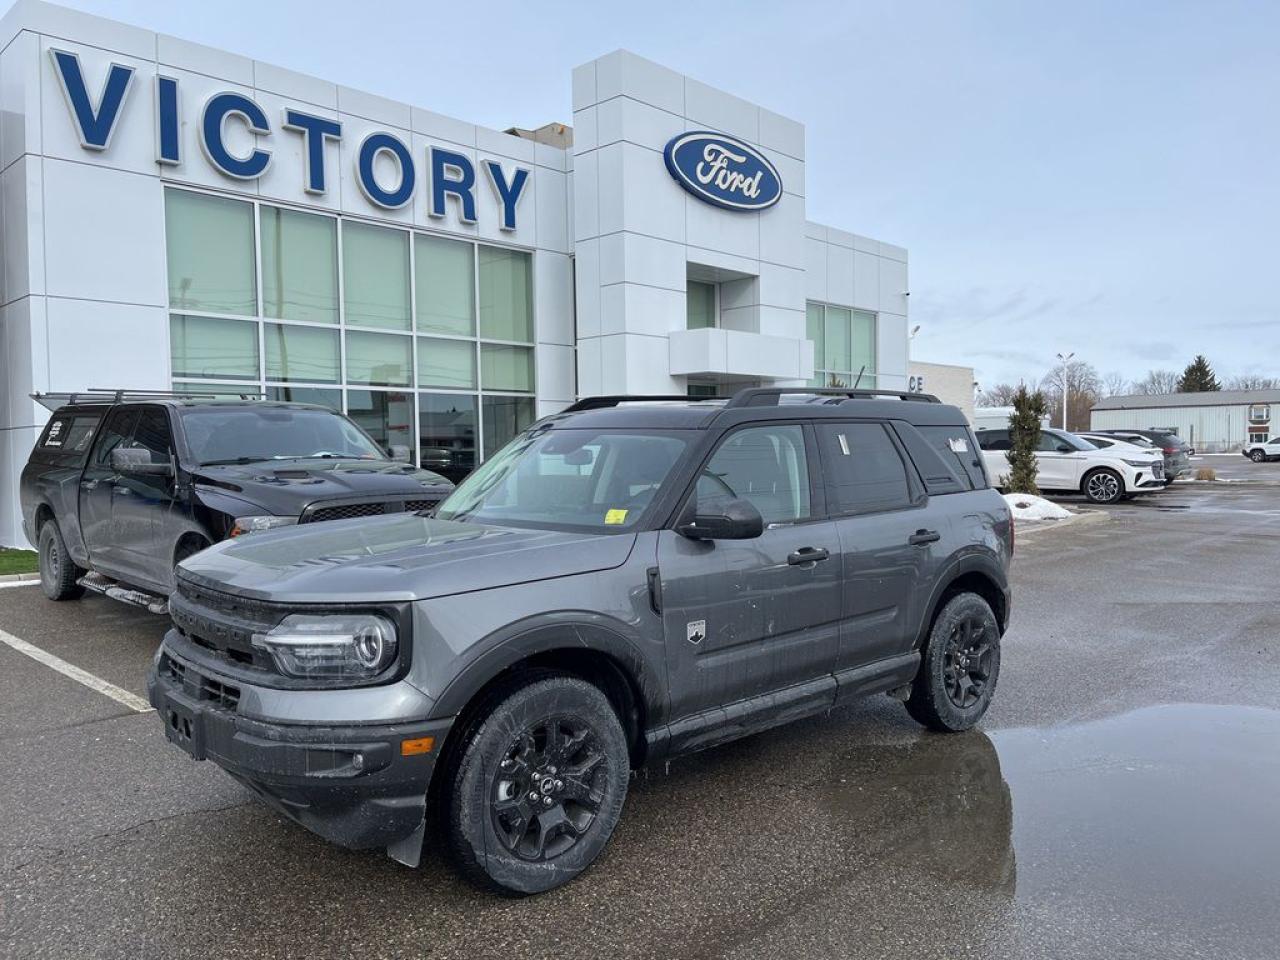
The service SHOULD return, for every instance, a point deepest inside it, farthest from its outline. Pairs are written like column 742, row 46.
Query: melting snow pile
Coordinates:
column 1027, row 507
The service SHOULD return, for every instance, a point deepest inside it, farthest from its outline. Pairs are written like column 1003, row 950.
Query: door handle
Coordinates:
column 922, row 537
column 88, row 484
column 808, row 555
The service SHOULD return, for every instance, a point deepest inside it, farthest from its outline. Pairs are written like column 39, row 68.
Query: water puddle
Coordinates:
column 1160, row 826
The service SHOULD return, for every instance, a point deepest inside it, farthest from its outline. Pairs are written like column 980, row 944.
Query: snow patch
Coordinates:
column 1027, row 507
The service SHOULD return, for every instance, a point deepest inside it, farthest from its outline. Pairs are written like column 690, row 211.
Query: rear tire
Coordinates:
column 959, row 666
column 1102, row 486
column 539, row 787
column 58, row 572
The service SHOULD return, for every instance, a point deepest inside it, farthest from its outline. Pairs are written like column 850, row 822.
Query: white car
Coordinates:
column 1259, row 452
column 1068, row 463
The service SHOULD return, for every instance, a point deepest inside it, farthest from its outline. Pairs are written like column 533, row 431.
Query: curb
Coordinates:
column 1084, row 517
column 18, row 577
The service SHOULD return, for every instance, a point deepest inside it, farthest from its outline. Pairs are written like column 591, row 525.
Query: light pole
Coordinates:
column 1064, row 386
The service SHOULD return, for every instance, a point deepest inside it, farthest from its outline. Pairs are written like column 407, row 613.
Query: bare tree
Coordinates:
column 1084, row 389
column 1253, row 381
column 1157, row 381
column 1115, row 385
column 1001, row 395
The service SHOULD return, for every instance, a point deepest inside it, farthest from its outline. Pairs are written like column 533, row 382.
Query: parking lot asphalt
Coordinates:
column 1117, row 802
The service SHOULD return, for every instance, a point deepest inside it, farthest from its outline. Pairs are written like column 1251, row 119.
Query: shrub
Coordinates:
column 1024, row 436
column 1206, row 473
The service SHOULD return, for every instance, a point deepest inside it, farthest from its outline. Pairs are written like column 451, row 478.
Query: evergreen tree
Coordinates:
column 1024, row 434
column 1198, row 377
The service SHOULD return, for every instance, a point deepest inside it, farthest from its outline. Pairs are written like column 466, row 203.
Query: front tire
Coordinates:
column 58, row 572
column 1257, row 456
column 958, row 667
column 1102, row 486
column 539, row 788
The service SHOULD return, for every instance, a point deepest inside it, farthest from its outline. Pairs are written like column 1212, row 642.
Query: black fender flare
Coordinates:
column 971, row 561
column 567, row 630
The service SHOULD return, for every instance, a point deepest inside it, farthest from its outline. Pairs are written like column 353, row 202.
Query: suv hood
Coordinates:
column 396, row 558
column 284, row 487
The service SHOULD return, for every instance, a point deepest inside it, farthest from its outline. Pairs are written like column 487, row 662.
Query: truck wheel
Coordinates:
column 958, row 667
column 539, row 787
column 58, row 572
column 1102, row 486
column 1257, row 456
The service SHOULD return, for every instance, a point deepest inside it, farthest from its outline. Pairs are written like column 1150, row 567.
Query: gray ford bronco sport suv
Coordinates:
column 629, row 580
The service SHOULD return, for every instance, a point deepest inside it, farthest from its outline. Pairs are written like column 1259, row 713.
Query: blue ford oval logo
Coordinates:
column 723, row 171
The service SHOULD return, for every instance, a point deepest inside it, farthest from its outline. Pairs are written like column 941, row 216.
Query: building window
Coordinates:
column 296, row 353
column 213, row 348
column 375, row 276
column 506, row 295
column 209, row 241
column 1259, row 413
column 299, row 265
column 427, row 341
column 700, row 305
column 445, row 281
column 844, row 345
column 1258, row 436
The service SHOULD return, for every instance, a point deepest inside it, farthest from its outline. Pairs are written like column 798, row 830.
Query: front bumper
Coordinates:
column 350, row 783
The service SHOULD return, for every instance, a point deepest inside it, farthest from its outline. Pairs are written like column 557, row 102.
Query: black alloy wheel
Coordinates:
column 968, row 661
column 536, row 785
column 548, row 789
column 959, row 666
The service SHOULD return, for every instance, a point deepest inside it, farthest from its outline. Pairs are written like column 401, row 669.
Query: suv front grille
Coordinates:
column 222, row 626
column 197, row 685
column 318, row 513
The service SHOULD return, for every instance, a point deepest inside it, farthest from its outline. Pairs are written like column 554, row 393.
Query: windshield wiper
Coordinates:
column 233, row 460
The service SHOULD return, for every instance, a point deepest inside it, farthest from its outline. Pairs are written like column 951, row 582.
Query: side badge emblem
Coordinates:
column 696, row 630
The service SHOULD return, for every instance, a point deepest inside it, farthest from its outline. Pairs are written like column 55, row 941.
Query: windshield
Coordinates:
column 245, row 434
column 578, row 479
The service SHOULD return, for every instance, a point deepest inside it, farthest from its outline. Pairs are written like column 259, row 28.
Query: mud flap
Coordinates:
column 409, row 850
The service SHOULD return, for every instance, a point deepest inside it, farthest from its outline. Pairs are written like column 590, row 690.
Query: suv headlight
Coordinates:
column 245, row 525
column 1141, row 463
column 345, row 646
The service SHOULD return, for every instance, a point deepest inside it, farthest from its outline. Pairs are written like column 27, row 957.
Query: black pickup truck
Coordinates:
column 119, row 490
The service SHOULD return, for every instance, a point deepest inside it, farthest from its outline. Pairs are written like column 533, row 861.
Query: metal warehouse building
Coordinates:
column 179, row 217
column 1220, row 421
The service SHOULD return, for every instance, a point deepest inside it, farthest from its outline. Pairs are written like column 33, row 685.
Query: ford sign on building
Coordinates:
column 182, row 218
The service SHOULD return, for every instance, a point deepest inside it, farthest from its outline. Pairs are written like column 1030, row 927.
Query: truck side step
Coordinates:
column 136, row 598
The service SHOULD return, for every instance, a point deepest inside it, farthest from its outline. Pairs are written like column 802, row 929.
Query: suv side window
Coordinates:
column 994, row 440
column 864, row 471
column 152, row 434
column 118, row 427
column 1048, row 443
column 67, row 437
column 764, row 465
column 956, row 446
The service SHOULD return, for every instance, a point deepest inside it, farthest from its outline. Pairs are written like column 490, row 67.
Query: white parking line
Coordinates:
column 118, row 694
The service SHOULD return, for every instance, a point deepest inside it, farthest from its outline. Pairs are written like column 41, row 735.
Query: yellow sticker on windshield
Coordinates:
column 615, row 516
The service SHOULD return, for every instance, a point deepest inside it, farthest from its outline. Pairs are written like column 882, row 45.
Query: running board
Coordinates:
column 135, row 598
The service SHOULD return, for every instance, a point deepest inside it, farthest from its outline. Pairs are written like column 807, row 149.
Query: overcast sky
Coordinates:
column 1099, row 177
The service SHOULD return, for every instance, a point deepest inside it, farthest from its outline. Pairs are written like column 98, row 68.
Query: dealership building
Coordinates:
column 183, row 218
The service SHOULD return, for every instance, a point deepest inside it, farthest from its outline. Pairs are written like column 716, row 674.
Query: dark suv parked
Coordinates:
column 118, row 491
column 1177, row 452
column 623, row 582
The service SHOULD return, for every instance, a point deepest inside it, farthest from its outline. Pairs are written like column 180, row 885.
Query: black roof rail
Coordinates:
column 112, row 395
column 761, row 396
column 600, row 403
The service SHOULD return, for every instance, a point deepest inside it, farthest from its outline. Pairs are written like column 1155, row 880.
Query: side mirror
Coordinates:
column 399, row 452
column 723, row 519
column 1065, row 448
column 131, row 460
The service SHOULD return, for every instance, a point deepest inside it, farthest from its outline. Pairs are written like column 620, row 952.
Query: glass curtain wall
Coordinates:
column 426, row 341
column 844, row 345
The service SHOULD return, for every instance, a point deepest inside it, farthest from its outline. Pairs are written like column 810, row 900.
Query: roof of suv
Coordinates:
column 755, row 403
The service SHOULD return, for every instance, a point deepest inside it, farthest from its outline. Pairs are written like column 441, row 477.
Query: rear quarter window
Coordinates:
column 956, row 447
column 67, row 438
